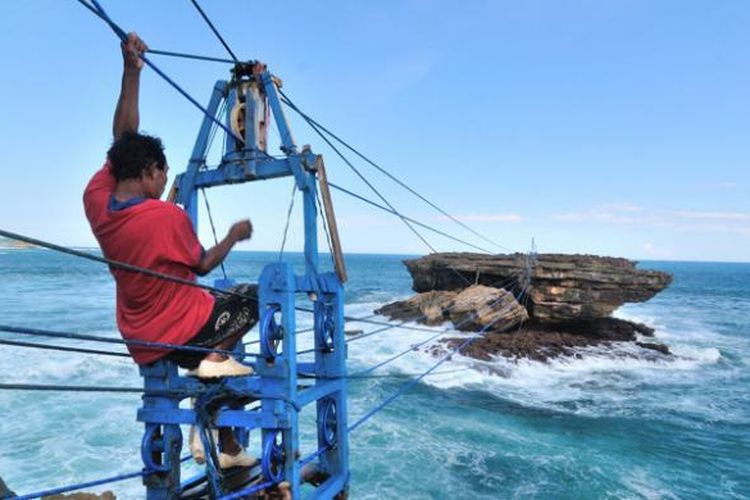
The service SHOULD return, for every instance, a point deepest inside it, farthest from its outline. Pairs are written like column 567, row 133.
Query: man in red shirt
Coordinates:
column 133, row 226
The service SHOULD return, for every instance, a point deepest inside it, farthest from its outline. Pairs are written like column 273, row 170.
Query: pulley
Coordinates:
column 273, row 458
column 271, row 332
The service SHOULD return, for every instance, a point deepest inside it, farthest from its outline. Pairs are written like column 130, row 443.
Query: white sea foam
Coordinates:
column 602, row 376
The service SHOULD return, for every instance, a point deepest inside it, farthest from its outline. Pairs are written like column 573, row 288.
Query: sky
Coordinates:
column 613, row 128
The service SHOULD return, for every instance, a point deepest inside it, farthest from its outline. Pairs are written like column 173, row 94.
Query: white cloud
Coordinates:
column 623, row 207
column 716, row 216
column 680, row 220
column 597, row 215
column 513, row 218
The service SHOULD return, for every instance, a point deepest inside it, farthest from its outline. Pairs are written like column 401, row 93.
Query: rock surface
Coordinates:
column 474, row 308
column 561, row 301
column 563, row 287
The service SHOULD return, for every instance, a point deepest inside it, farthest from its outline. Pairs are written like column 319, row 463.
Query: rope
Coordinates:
column 121, row 265
column 155, row 274
column 69, row 388
column 213, row 28
column 107, row 340
column 289, row 103
column 288, row 219
column 387, row 375
column 368, row 183
column 403, row 389
column 325, row 227
column 63, row 348
column 89, row 484
column 213, row 228
column 413, row 221
column 189, row 56
column 165, row 52
column 501, row 284
column 420, row 344
column 412, row 348
column 123, row 37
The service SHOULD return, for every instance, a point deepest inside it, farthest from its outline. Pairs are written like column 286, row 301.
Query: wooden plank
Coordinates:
column 172, row 196
column 325, row 194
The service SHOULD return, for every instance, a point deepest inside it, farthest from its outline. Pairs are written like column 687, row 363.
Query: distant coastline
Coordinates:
column 6, row 244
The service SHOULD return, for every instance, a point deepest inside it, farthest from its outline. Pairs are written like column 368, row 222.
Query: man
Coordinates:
column 132, row 225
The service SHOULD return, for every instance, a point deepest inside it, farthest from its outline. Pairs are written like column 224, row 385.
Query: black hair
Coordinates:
column 133, row 153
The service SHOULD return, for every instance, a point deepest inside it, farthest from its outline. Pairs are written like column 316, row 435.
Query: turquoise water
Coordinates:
column 599, row 426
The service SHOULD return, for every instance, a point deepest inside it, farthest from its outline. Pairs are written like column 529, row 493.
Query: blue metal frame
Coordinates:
column 275, row 382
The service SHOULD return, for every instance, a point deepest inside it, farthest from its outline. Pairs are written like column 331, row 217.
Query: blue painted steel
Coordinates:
column 224, row 283
column 275, row 382
column 328, row 422
column 325, row 325
column 272, row 460
column 270, row 332
column 162, row 442
column 187, row 195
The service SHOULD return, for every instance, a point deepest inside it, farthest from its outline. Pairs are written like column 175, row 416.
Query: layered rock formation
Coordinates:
column 563, row 287
column 563, row 301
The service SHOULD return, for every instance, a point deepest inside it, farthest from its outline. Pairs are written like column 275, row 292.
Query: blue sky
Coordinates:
column 617, row 128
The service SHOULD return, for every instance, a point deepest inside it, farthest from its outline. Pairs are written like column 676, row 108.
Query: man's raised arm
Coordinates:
column 126, row 114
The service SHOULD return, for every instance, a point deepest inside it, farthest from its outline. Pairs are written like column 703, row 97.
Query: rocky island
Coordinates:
column 533, row 307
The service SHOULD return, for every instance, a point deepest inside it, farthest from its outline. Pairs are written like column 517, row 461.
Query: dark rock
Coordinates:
column 655, row 347
column 541, row 341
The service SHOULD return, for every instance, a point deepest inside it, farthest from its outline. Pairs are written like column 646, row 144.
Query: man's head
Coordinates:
column 140, row 158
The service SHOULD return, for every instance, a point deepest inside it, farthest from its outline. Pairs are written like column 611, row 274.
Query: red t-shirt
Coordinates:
column 154, row 235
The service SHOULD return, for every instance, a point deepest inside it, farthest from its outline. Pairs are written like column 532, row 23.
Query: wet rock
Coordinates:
column 655, row 347
column 107, row 495
column 542, row 341
column 481, row 307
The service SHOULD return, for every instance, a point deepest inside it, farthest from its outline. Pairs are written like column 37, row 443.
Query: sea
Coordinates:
column 606, row 423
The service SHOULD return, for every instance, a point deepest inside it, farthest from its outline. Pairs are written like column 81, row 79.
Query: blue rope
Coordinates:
column 73, row 487
column 213, row 28
column 189, row 56
column 313, row 456
column 164, row 52
column 123, row 36
column 394, row 358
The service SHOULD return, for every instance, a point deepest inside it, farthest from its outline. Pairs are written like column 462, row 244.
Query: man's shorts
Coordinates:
column 232, row 316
